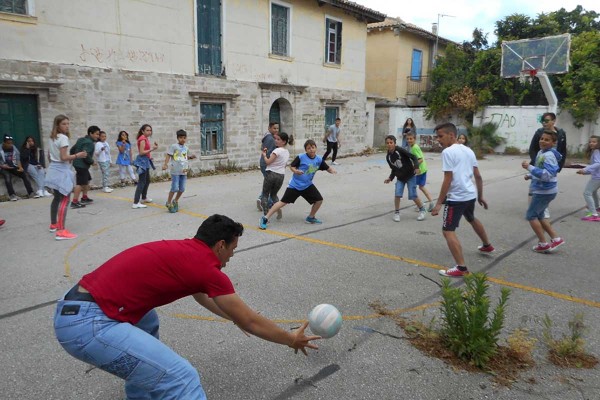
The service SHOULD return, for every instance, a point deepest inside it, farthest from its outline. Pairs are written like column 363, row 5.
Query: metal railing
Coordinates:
column 417, row 85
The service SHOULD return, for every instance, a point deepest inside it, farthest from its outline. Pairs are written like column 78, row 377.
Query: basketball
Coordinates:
column 325, row 320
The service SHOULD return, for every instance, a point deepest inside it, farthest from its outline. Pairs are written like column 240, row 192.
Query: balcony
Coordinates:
column 416, row 88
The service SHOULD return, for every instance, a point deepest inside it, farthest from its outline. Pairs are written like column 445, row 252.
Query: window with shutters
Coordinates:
column 416, row 65
column 14, row 6
column 280, row 29
column 209, row 37
column 333, row 41
column 212, row 117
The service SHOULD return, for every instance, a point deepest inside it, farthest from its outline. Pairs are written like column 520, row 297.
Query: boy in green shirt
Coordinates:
column 421, row 178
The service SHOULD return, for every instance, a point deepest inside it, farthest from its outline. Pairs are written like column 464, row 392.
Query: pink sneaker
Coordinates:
column 486, row 249
column 453, row 272
column 556, row 243
column 542, row 248
column 591, row 218
column 65, row 235
column 53, row 227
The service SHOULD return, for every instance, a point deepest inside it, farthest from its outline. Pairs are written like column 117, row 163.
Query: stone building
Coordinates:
column 219, row 69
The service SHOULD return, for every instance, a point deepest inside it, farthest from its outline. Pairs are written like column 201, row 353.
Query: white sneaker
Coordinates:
column 14, row 197
column 38, row 194
column 335, row 163
column 147, row 200
column 107, row 190
column 47, row 193
column 421, row 216
column 139, row 205
column 397, row 217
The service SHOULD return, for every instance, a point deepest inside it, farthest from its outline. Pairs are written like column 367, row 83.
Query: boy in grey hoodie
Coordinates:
column 543, row 188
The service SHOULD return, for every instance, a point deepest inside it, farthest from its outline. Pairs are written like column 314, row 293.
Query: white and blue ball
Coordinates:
column 325, row 320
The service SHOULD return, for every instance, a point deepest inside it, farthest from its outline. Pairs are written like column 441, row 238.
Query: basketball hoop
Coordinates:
column 527, row 75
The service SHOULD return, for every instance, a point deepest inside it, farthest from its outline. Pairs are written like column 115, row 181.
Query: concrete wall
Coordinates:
column 382, row 57
column 159, row 36
column 517, row 125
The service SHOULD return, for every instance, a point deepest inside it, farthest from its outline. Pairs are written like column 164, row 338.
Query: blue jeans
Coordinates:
column 412, row 188
column 151, row 369
column 178, row 183
column 539, row 202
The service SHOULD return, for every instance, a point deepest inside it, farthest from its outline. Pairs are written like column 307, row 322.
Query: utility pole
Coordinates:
column 437, row 36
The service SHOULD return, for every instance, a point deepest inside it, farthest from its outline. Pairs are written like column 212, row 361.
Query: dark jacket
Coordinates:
column 84, row 144
column 561, row 146
column 403, row 164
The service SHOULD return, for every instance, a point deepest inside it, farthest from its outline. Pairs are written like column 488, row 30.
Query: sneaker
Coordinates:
column 313, row 220
column 76, row 204
column 279, row 214
column 453, row 272
column 53, row 227
column 47, row 193
column 139, row 205
column 32, row 195
column 556, row 243
column 486, row 249
column 431, row 206
column 65, row 235
column 175, row 206
column 397, row 217
column 591, row 217
column 107, row 190
column 86, row 200
column 38, row 194
column 169, row 206
column 14, row 197
column 335, row 163
column 421, row 216
column 258, row 205
column 262, row 223
column 147, row 200
column 542, row 248
column 2, row 222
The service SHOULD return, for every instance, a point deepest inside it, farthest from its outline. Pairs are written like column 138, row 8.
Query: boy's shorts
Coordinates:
column 310, row 194
column 82, row 176
column 539, row 202
column 421, row 179
column 412, row 188
column 178, row 183
column 453, row 212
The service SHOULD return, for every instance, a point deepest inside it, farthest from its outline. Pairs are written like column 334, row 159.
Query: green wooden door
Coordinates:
column 275, row 114
column 209, row 37
column 19, row 117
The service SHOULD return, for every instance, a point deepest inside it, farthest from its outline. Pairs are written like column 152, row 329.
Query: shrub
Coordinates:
column 467, row 328
column 568, row 345
column 512, row 151
column 483, row 139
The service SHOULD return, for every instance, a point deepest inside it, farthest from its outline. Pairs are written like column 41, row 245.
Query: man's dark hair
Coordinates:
column 273, row 123
column 338, row 119
column 309, row 142
column 392, row 137
column 181, row 133
column 219, row 227
column 551, row 133
column 93, row 129
column 446, row 127
column 549, row 114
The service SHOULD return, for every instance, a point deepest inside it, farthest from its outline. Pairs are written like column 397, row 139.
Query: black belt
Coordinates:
column 75, row 294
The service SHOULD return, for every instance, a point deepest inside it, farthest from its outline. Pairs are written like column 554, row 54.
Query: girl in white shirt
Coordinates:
column 60, row 177
column 275, row 171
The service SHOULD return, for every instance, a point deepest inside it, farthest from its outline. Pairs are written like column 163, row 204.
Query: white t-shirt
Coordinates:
column 102, row 155
column 278, row 166
column 460, row 160
column 55, row 146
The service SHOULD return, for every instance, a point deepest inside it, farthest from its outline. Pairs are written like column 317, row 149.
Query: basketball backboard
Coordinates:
column 549, row 54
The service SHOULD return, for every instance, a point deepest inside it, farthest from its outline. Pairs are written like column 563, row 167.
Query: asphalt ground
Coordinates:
column 357, row 256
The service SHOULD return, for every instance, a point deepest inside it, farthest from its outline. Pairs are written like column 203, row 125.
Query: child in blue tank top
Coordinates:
column 304, row 167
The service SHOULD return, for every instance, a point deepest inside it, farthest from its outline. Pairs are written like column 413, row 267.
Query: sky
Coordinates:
column 469, row 14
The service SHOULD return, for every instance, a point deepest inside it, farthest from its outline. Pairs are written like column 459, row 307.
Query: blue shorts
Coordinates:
column 539, row 202
column 412, row 188
column 178, row 183
column 421, row 179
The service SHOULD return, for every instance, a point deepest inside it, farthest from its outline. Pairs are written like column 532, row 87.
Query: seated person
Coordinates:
column 10, row 164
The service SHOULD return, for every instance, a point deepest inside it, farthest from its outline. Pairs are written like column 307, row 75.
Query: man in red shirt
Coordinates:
column 108, row 318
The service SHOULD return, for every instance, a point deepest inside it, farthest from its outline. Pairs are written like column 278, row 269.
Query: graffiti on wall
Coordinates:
column 111, row 55
column 517, row 126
